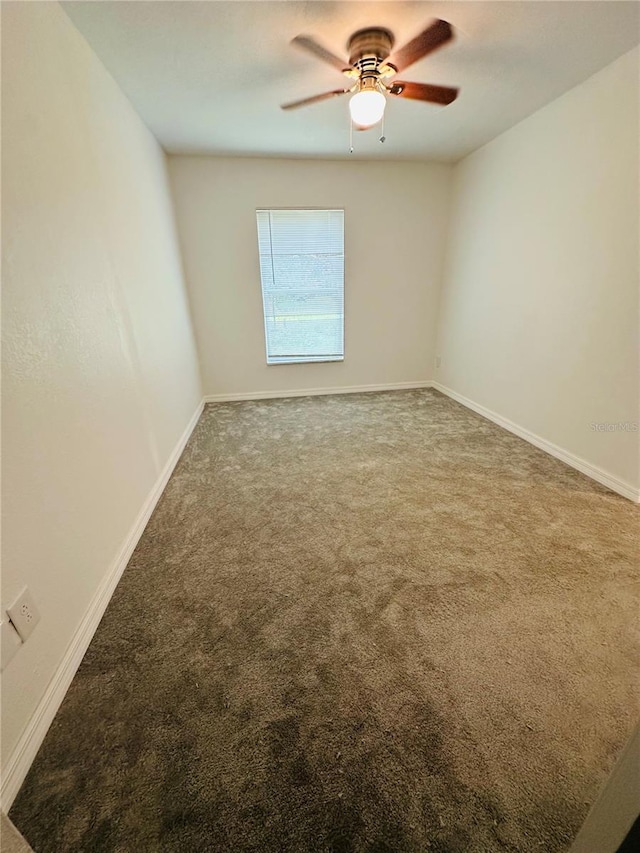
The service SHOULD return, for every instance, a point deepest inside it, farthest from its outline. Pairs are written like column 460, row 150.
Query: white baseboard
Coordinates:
column 597, row 474
column 314, row 392
column 25, row 751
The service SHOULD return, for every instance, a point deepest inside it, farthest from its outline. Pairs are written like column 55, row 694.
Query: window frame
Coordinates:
column 278, row 361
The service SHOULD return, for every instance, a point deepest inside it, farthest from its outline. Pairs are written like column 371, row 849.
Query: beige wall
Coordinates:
column 617, row 805
column 99, row 370
column 395, row 225
column 539, row 311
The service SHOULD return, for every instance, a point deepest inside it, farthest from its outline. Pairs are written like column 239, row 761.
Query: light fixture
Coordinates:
column 373, row 63
column 367, row 105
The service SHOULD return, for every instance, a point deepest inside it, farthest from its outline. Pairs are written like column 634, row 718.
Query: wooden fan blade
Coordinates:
column 424, row 92
column 307, row 43
column 314, row 99
column 429, row 40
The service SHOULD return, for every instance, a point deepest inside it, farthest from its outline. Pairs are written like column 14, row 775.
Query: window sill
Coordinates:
column 310, row 360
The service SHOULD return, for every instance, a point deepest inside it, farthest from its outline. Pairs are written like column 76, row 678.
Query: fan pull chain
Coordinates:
column 382, row 138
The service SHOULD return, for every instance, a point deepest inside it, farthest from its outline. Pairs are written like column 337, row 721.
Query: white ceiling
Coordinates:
column 208, row 77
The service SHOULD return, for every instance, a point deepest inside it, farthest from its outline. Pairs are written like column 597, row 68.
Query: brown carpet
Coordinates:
column 354, row 623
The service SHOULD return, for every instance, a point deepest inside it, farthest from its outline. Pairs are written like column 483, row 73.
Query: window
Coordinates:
column 302, row 273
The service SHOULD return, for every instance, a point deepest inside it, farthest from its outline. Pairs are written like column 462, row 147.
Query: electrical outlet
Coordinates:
column 10, row 640
column 24, row 614
column 438, row 361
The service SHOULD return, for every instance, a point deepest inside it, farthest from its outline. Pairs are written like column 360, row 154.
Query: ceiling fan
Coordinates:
column 370, row 67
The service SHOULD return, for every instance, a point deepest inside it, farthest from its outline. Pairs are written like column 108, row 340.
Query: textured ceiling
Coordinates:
column 208, row 77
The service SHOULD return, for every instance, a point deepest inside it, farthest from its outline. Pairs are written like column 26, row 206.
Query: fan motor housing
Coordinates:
column 374, row 42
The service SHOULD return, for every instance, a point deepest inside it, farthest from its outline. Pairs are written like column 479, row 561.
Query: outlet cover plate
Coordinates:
column 10, row 640
column 24, row 614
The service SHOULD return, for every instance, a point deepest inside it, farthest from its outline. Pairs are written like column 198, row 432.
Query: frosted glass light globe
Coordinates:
column 367, row 108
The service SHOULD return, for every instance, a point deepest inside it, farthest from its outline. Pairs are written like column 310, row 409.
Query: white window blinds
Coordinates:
column 302, row 273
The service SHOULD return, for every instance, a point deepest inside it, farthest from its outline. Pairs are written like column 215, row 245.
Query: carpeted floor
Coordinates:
column 373, row 622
